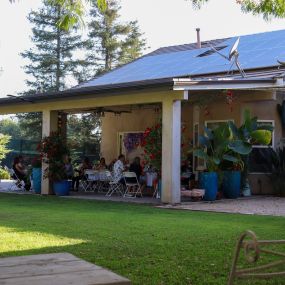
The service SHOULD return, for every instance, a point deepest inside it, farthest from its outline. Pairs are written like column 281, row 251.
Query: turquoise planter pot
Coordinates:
column 61, row 188
column 37, row 180
column 209, row 182
column 231, row 184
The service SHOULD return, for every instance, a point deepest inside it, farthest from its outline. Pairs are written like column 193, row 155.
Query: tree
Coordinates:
column 112, row 43
column 267, row 8
column 52, row 58
column 74, row 11
column 82, row 131
column 10, row 127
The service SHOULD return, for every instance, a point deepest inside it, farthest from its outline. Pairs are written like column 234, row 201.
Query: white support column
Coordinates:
column 171, row 151
column 49, row 124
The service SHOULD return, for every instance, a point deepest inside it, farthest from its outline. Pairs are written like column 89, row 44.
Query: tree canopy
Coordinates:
column 267, row 8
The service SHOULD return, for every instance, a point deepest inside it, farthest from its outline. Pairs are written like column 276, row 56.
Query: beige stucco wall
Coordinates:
column 261, row 104
column 112, row 125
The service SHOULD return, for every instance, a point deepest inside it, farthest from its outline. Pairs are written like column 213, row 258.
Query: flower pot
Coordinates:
column 231, row 184
column 37, row 180
column 61, row 188
column 209, row 182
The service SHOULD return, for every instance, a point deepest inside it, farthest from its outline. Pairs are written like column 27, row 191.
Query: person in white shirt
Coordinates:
column 119, row 168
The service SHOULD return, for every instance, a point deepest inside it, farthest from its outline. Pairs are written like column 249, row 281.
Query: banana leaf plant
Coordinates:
column 244, row 137
column 214, row 147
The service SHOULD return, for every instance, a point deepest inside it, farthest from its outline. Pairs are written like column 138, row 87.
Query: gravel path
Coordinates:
column 256, row 205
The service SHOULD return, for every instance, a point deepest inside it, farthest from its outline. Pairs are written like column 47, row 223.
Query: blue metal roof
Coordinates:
column 255, row 51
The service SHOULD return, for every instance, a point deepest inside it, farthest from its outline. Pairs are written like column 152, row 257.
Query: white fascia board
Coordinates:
column 222, row 84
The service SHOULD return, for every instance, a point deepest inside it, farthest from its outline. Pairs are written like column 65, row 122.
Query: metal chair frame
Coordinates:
column 253, row 248
column 132, row 188
column 17, row 184
column 86, row 183
column 114, row 186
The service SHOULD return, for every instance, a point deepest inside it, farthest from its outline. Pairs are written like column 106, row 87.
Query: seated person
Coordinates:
column 68, row 167
column 82, row 167
column 21, row 172
column 136, row 167
column 119, row 168
column 102, row 165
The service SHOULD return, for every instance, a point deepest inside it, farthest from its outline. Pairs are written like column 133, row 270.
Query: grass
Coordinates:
column 142, row 243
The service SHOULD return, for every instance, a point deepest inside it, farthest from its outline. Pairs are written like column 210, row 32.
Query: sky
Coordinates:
column 163, row 22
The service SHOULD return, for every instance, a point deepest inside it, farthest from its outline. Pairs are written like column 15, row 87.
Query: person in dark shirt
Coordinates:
column 21, row 171
column 80, row 173
column 136, row 167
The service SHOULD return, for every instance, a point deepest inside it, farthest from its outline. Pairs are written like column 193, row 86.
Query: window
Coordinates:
column 259, row 158
column 213, row 124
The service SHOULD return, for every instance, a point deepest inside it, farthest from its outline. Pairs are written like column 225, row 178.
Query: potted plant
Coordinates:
column 243, row 138
column 213, row 148
column 53, row 148
column 37, row 174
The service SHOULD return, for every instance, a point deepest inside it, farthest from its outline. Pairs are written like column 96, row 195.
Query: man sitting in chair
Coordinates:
column 119, row 168
column 21, row 172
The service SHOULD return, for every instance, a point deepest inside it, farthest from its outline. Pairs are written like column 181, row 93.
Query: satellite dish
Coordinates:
column 234, row 49
column 233, row 57
column 281, row 62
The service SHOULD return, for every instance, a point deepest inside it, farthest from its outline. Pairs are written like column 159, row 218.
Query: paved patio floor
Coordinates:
column 255, row 205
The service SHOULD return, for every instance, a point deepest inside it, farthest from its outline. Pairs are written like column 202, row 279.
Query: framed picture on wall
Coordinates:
column 129, row 144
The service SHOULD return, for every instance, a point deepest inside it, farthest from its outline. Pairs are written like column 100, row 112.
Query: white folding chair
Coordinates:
column 103, row 181
column 133, row 186
column 87, row 181
column 17, row 184
column 114, row 186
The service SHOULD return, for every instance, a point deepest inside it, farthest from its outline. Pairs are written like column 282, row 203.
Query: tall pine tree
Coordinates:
column 112, row 43
column 51, row 59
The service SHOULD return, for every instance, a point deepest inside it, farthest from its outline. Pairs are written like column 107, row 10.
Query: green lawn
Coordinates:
column 145, row 244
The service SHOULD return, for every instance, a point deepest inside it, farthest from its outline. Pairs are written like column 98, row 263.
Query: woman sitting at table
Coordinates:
column 21, row 172
column 81, row 169
column 136, row 167
column 102, row 165
column 68, row 168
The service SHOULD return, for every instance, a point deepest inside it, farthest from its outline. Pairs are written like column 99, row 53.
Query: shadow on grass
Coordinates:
column 145, row 244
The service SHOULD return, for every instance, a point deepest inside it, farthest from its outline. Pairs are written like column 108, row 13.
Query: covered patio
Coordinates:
column 179, row 80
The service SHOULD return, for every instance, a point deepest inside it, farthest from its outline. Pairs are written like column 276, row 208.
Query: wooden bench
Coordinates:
column 252, row 251
column 55, row 269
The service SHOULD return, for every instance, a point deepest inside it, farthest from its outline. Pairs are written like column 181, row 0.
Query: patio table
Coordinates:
column 101, row 179
column 56, row 269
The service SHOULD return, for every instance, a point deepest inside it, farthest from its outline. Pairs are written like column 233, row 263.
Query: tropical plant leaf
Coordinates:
column 234, row 129
column 204, row 141
column 230, row 158
column 262, row 136
column 240, row 147
column 216, row 160
column 201, row 154
column 209, row 133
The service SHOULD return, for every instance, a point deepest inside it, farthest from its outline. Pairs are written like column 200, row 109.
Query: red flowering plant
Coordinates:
column 152, row 144
column 52, row 149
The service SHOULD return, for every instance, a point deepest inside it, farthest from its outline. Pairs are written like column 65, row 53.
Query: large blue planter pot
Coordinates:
column 209, row 182
column 61, row 188
column 37, row 180
column 231, row 184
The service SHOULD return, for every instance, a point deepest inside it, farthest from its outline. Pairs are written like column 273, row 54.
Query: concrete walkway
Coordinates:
column 255, row 205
